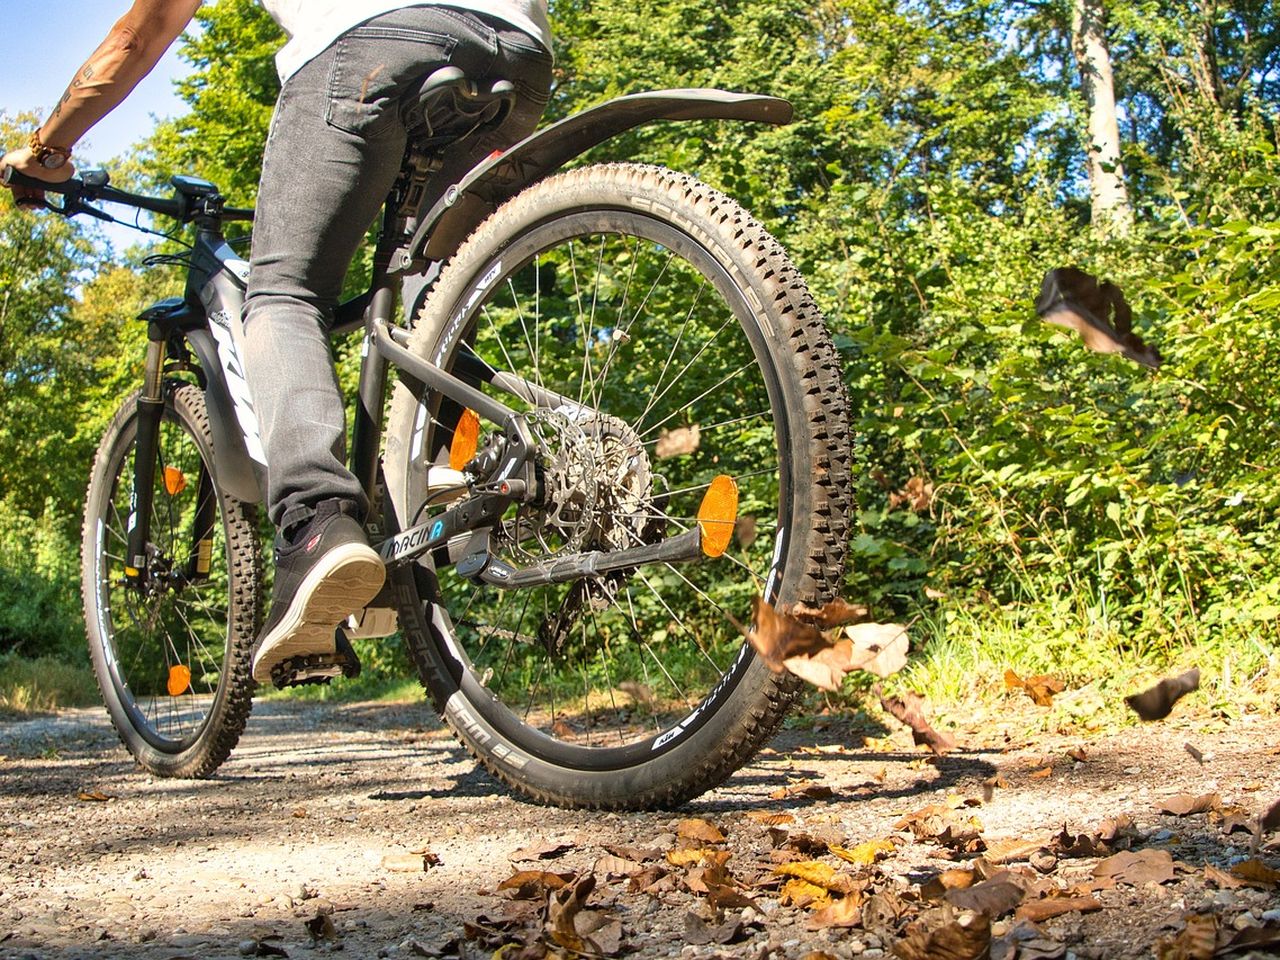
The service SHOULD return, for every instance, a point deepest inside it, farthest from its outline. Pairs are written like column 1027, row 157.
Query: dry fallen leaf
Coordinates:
column 1197, row 941
column 1184, row 805
column 572, row 926
column 968, row 938
column 1071, row 298
column 321, row 927
column 1145, row 866
column 955, row 879
column 1040, row 688
column 909, row 709
column 699, row 830
column 865, row 854
column 1271, row 819
column 845, row 912
column 695, row 857
column 1256, row 874
column 995, row 898
column 1011, row 850
column 541, row 851
column 837, row 613
column 877, row 648
column 675, row 443
column 94, row 796
column 1037, row 911
column 1044, row 773
column 1157, row 702
column 770, row 819
column 535, row 884
column 700, row 933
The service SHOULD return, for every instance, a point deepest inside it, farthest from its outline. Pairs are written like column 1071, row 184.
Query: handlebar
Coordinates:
column 93, row 186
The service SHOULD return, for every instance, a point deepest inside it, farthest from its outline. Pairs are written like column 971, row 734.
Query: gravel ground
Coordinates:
column 321, row 808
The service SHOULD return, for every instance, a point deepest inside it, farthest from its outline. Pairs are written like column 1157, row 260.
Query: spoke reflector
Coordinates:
column 179, row 680
column 717, row 514
column 466, row 439
column 175, row 481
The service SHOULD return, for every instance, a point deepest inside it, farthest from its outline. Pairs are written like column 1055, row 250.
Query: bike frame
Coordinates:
column 430, row 210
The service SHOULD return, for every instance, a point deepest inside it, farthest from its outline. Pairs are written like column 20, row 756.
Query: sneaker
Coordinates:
column 325, row 575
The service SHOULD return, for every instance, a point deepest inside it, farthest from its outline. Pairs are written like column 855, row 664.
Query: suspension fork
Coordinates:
column 145, row 450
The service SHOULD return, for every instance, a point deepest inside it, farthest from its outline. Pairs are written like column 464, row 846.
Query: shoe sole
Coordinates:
column 345, row 580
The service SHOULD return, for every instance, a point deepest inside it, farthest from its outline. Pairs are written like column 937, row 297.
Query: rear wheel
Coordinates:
column 668, row 340
column 171, row 655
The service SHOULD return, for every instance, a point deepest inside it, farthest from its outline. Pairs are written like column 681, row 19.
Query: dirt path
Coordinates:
column 319, row 804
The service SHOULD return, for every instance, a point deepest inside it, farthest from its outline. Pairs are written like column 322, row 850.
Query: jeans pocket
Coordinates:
column 371, row 65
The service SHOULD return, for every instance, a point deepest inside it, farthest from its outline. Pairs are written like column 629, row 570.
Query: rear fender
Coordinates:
column 462, row 205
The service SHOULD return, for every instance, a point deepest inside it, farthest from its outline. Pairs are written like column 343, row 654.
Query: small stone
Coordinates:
column 1132, row 771
column 1271, row 916
column 146, row 934
column 1160, row 836
column 1225, row 898
column 248, row 948
column 749, row 915
column 1244, row 921
column 856, row 948
column 1043, row 860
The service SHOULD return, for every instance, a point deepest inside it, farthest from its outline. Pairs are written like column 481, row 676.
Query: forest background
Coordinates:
column 1021, row 503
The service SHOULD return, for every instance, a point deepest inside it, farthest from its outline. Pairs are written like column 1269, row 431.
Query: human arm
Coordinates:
column 132, row 48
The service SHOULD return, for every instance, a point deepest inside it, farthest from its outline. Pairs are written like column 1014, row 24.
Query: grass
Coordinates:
column 42, row 684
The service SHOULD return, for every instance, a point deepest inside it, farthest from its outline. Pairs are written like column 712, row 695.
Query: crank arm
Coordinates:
column 678, row 549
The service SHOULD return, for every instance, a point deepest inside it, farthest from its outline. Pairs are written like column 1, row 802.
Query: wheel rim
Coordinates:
column 626, row 315
column 173, row 636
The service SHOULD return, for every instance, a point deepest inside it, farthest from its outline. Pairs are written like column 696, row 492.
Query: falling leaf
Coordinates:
column 1078, row 754
column 699, row 830
column 745, row 529
column 1098, row 312
column 909, row 709
column 1196, row 755
column 1040, row 689
column 877, row 648
column 917, row 496
column 1256, row 874
column 1198, row 939
column 1184, row 805
column 535, row 884
column 995, row 898
column 1157, row 702
column 541, row 851
column 636, row 691
column 968, row 938
column 678, row 442
column 321, row 927
column 1037, row 911
column 990, row 784
column 1146, row 866
column 836, row 613
column 865, row 854
column 94, row 796
column 776, row 637
column 845, row 912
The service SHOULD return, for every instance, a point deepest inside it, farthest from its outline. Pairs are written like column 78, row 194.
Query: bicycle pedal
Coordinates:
column 317, row 668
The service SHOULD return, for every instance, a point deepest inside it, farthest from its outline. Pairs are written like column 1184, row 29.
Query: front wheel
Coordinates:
column 653, row 336
column 171, row 653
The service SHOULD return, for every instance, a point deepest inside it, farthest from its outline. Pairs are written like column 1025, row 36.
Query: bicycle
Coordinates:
column 610, row 374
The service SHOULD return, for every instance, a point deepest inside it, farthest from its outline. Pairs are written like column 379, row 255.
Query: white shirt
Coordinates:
column 312, row 25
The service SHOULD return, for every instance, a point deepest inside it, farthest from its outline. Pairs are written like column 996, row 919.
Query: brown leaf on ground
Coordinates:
column 877, row 648
column 1184, row 805
column 1078, row 754
column 94, row 796
column 806, row 791
column 611, row 867
column 547, row 850
column 678, row 442
column 1271, row 819
column 572, row 926
column 722, row 896
column 698, row 856
column 700, row 830
column 1220, row 878
column 1145, row 866
column 1257, row 874
column 408, row 862
column 938, row 887
column 1037, row 911
column 1198, row 940
column 770, row 819
column 1040, row 689
column 321, row 927
column 534, row 884
column 1069, row 845
column 881, row 912
column 968, row 938
column 1011, row 850
column 1157, row 702
column 1115, row 830
column 1044, row 773
column 700, row 933
column 843, row 913
column 995, row 898
column 633, row 853
column 909, row 709
column 653, row 881
column 1251, row 938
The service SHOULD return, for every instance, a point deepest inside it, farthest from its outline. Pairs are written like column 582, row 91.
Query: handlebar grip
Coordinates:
column 10, row 177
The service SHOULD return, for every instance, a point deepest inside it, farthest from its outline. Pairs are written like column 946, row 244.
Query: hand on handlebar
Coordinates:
column 24, row 162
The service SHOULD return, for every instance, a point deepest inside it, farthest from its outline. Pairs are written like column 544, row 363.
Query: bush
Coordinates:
column 40, row 611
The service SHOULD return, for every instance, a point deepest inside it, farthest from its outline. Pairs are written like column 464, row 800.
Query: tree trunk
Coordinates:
column 1111, row 210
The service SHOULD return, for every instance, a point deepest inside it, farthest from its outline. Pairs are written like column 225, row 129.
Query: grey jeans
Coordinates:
column 333, row 152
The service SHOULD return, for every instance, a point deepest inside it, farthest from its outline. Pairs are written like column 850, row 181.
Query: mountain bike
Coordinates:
column 616, row 418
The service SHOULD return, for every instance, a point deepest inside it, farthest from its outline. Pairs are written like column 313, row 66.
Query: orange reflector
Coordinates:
column 466, row 439
column 179, row 680
column 174, row 481
column 717, row 515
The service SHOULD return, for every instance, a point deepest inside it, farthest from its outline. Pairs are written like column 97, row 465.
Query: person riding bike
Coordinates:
column 350, row 71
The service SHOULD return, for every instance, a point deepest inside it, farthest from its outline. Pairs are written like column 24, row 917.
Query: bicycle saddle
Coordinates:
column 447, row 105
